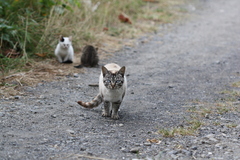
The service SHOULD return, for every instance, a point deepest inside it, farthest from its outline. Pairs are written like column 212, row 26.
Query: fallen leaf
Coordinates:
column 124, row 18
column 105, row 29
column 41, row 54
column 154, row 141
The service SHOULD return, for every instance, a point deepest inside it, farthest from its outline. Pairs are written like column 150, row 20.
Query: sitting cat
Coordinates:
column 64, row 50
column 112, row 88
column 89, row 57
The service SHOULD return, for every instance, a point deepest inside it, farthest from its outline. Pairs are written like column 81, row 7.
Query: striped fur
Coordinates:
column 94, row 103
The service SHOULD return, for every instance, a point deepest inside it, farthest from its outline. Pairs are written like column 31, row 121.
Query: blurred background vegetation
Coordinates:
column 29, row 29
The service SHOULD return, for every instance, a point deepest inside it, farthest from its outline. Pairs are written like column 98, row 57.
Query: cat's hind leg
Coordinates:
column 115, row 108
column 106, row 109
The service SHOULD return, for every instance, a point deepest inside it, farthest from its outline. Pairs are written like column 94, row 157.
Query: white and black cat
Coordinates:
column 89, row 57
column 64, row 50
column 112, row 89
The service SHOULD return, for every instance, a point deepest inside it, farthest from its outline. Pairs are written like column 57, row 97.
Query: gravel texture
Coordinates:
column 184, row 64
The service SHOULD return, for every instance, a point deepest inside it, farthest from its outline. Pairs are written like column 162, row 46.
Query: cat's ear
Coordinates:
column 70, row 38
column 104, row 71
column 61, row 39
column 122, row 71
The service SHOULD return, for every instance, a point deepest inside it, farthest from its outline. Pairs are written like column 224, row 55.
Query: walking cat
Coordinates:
column 89, row 57
column 112, row 89
column 64, row 50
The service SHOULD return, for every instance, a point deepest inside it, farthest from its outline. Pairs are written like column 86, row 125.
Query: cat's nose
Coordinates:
column 113, row 85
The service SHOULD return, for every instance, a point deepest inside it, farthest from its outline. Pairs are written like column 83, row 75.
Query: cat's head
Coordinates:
column 65, row 42
column 113, row 80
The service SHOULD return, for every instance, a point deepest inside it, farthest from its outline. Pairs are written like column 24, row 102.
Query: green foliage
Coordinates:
column 22, row 25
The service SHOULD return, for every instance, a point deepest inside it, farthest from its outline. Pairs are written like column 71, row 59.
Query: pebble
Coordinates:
column 221, row 145
column 194, row 147
column 206, row 116
column 135, row 150
column 120, row 125
column 173, row 152
column 186, row 152
column 54, row 116
column 62, row 100
column 211, row 137
column 147, row 144
column 70, row 131
column 123, row 149
column 17, row 97
column 75, row 75
column 2, row 114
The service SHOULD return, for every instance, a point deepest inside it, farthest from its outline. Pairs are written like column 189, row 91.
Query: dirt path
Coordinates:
column 181, row 65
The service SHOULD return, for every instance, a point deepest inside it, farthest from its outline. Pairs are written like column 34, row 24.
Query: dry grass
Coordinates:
column 191, row 129
column 201, row 110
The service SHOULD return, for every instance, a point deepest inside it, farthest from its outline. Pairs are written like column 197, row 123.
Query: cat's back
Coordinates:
column 89, row 56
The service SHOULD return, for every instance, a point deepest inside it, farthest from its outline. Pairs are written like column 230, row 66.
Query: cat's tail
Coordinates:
column 94, row 103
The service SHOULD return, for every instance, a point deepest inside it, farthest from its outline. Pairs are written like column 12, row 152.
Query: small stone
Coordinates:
column 220, row 146
column 54, row 116
column 173, row 156
column 120, row 125
column 17, row 97
column 137, row 144
column 211, row 137
column 147, row 144
column 170, row 86
column 135, row 150
column 194, row 147
column 186, row 152
column 42, row 97
column 123, row 149
column 70, row 131
column 34, row 111
column 206, row 116
column 82, row 149
column 2, row 114
column 173, row 152
column 75, row 75
column 62, row 100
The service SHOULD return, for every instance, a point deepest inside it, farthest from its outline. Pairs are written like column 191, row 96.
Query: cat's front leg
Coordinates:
column 106, row 109
column 115, row 107
column 66, row 58
column 59, row 59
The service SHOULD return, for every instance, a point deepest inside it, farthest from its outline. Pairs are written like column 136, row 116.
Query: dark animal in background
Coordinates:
column 89, row 57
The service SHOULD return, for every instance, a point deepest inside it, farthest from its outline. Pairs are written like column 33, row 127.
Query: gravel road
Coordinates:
column 185, row 64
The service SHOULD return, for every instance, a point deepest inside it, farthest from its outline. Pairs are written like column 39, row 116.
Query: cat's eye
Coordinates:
column 107, row 81
column 118, row 81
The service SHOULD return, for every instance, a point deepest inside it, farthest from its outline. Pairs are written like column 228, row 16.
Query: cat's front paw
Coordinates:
column 115, row 116
column 105, row 114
